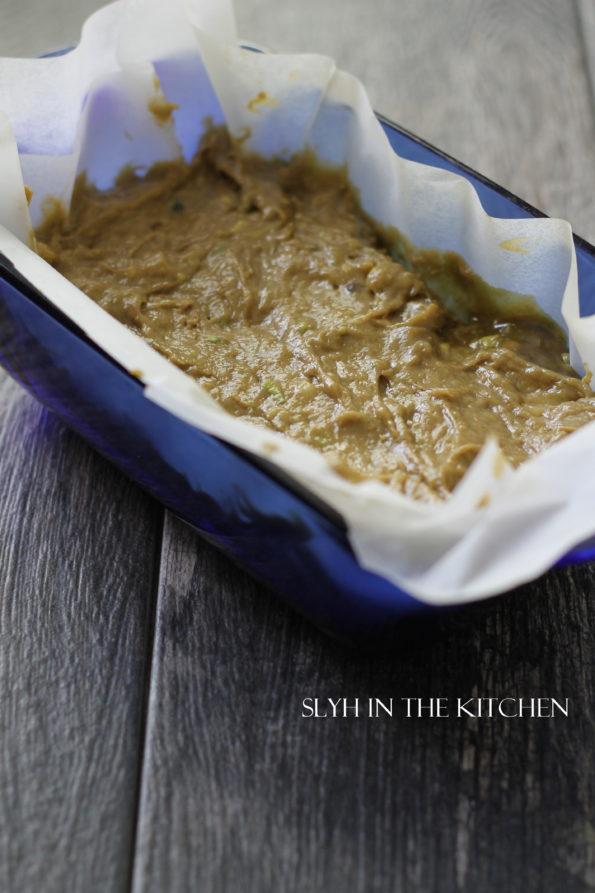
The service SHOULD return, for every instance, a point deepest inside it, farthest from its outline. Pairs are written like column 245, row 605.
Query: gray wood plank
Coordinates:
column 586, row 18
column 40, row 26
column 77, row 553
column 239, row 791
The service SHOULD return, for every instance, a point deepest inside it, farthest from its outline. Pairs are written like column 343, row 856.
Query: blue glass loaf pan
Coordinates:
column 250, row 510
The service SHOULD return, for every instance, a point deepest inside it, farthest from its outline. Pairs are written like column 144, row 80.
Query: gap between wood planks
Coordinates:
column 148, row 667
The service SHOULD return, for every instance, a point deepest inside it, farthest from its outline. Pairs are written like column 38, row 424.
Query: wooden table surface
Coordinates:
column 151, row 735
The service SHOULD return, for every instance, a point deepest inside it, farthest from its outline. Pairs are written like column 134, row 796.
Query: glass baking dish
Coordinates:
column 258, row 516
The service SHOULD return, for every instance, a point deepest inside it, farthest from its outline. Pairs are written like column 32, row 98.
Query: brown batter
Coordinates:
column 266, row 282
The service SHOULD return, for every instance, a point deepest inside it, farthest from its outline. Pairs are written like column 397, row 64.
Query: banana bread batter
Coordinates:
column 266, row 282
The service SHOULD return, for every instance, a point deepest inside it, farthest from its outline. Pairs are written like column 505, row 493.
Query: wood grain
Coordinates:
column 77, row 546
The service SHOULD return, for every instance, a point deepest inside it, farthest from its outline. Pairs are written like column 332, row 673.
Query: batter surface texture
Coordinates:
column 266, row 282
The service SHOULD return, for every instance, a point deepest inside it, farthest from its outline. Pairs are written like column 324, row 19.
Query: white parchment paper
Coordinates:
column 90, row 110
